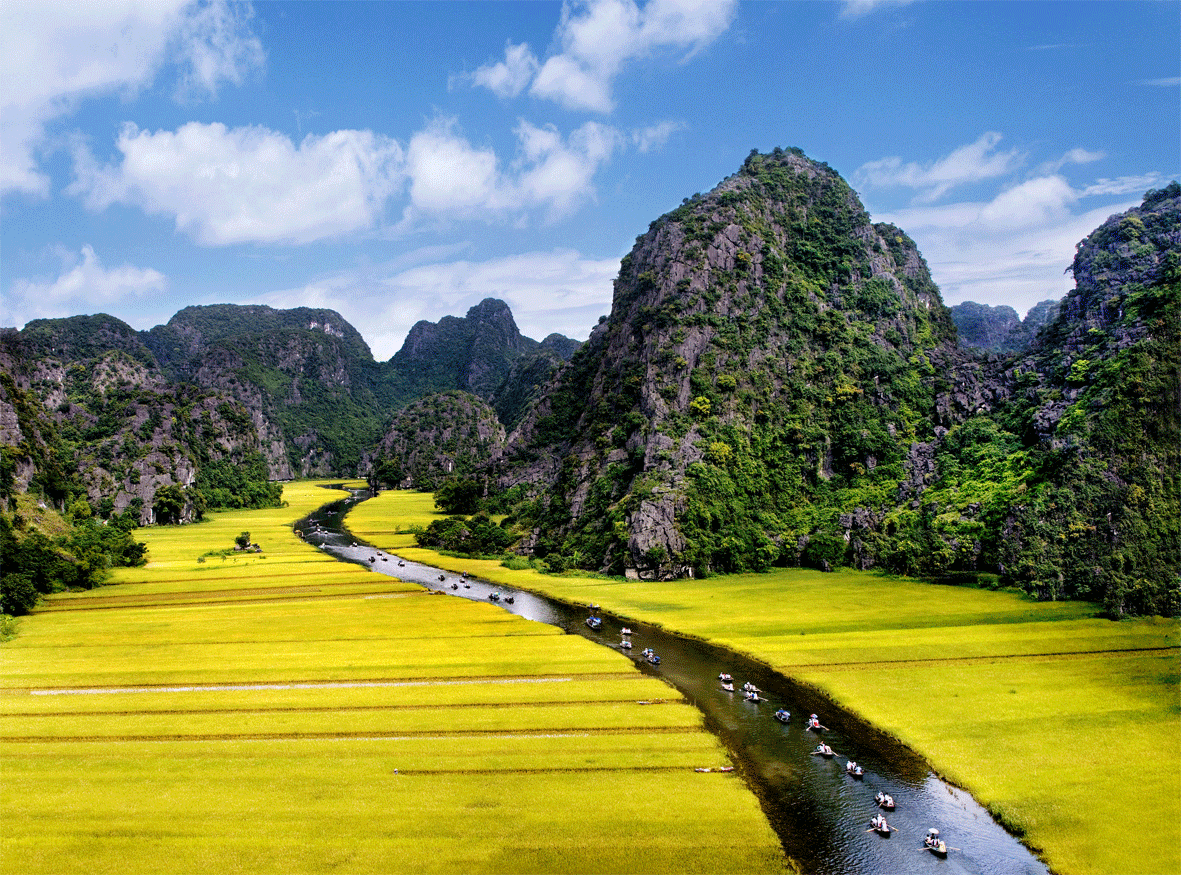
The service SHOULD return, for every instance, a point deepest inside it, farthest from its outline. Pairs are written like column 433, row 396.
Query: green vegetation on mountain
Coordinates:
column 779, row 384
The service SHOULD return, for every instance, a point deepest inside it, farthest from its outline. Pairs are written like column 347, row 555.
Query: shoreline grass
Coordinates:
column 1061, row 723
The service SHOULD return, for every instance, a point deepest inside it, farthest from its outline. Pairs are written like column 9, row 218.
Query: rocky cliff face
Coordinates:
column 86, row 407
column 998, row 329
column 766, row 341
column 779, row 383
column 476, row 353
column 445, row 435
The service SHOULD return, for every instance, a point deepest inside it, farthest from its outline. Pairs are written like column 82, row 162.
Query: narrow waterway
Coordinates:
column 821, row 813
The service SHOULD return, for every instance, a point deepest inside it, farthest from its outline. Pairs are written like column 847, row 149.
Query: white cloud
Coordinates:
column 560, row 291
column 1077, row 155
column 83, row 285
column 858, row 8
column 224, row 186
column 654, row 136
column 971, row 163
column 1013, row 249
column 1124, row 185
column 215, row 45
column 509, row 77
column 596, row 38
column 248, row 185
column 450, row 178
column 1166, row 82
column 53, row 55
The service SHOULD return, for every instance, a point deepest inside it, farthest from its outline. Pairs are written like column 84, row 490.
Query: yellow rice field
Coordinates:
column 1065, row 725
column 284, row 712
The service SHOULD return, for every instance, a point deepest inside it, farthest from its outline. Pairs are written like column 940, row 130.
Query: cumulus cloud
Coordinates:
column 971, row 163
column 54, row 55
column 858, row 8
column 83, row 284
column 595, row 39
column 451, row 178
column 559, row 291
column 509, row 77
column 1013, row 249
column 215, row 46
column 654, row 136
column 224, row 186
column 247, row 185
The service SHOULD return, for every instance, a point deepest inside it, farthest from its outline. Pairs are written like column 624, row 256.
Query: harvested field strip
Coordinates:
column 329, row 710
column 556, row 732
column 523, row 716
column 133, row 599
column 317, row 685
column 983, row 660
column 218, row 598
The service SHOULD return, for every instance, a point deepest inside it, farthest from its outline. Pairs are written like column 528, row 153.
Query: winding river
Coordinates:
column 820, row 813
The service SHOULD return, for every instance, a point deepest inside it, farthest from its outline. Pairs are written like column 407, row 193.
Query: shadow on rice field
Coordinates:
column 284, row 712
column 1065, row 725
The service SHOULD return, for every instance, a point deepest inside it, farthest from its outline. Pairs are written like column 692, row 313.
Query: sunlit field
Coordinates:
column 1065, row 725
column 285, row 712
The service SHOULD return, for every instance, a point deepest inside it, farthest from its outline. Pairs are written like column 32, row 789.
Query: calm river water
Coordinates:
column 820, row 813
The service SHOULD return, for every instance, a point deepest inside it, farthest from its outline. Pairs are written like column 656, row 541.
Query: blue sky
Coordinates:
column 398, row 161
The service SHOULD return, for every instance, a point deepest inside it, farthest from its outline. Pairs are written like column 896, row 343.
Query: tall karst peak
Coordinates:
column 766, row 340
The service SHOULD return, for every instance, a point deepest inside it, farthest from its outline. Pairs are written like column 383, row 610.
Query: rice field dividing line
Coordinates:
column 969, row 660
column 339, row 708
column 313, row 595
column 310, row 586
column 557, row 770
column 558, row 732
column 320, row 685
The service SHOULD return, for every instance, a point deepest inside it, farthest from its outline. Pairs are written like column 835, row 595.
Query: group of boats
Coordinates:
column 885, row 802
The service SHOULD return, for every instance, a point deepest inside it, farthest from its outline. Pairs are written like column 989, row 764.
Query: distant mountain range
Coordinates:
column 778, row 382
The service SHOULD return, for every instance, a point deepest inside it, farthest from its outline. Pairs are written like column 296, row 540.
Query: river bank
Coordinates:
column 1062, row 724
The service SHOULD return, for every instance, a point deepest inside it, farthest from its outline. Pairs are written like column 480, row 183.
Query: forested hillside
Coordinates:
column 779, row 383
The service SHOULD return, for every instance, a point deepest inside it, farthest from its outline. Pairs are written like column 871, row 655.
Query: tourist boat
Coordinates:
column 878, row 824
column 625, row 631
column 725, row 678
column 653, row 659
column 510, row 599
column 495, row 596
column 455, row 586
column 934, row 844
column 783, row 715
column 851, row 768
column 884, row 800
column 729, row 688
column 751, row 688
column 814, row 724
column 753, row 696
column 595, row 623
column 625, row 644
column 824, row 750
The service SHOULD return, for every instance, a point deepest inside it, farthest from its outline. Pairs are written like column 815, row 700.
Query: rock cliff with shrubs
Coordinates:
column 779, row 382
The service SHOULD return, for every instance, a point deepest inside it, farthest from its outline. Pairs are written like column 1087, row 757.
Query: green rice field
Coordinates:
column 1065, row 725
column 285, row 712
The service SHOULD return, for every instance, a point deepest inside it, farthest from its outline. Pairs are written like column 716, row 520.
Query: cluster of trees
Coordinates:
column 35, row 564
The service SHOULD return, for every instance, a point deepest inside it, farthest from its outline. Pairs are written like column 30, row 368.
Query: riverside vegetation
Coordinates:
column 280, row 711
column 1061, row 722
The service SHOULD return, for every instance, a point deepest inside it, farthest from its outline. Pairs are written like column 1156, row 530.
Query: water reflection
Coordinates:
column 821, row 814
